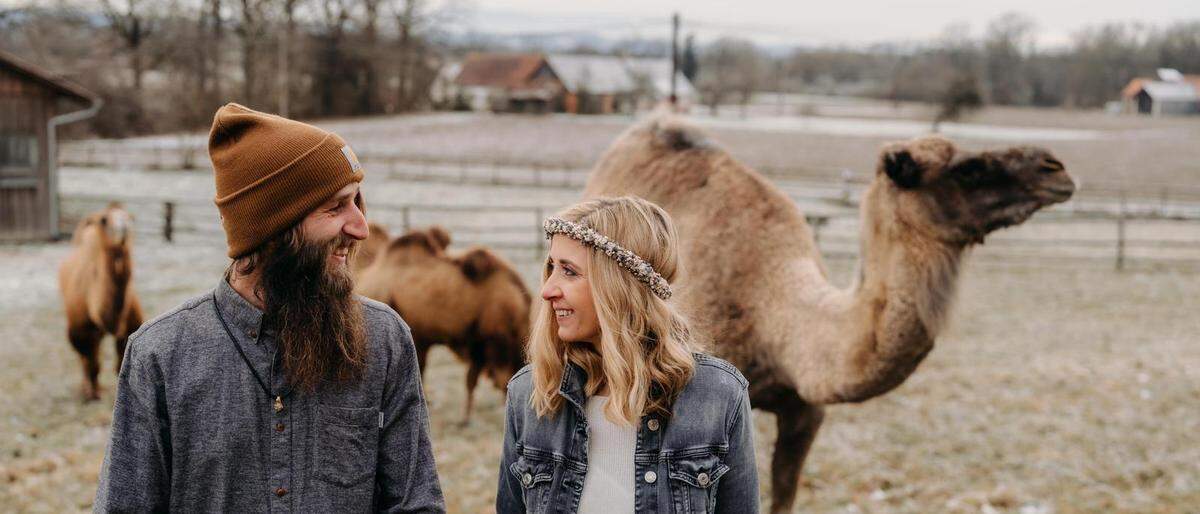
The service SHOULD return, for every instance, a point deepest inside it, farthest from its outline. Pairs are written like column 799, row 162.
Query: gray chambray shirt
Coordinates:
column 194, row 431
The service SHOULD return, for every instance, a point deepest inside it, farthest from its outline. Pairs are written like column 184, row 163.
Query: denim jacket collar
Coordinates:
column 573, row 380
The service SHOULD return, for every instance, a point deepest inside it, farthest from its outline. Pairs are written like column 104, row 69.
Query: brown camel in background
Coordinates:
column 372, row 247
column 97, row 296
column 760, row 292
column 474, row 303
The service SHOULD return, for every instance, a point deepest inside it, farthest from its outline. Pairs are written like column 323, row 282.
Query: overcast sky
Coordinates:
column 806, row 22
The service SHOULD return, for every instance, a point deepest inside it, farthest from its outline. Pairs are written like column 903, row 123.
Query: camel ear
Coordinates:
column 902, row 168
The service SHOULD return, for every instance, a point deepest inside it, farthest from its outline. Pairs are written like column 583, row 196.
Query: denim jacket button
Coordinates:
column 527, row 479
column 651, row 477
column 702, row 478
column 652, row 425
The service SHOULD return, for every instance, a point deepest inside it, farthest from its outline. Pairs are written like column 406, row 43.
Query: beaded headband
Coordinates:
column 640, row 269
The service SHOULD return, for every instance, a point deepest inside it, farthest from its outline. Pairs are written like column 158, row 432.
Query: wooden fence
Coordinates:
column 517, row 232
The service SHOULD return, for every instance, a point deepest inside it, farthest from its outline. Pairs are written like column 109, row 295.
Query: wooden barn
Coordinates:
column 33, row 103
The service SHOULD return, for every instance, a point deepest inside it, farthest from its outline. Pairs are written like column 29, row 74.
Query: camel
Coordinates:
column 474, row 303
column 95, row 283
column 758, row 288
column 370, row 248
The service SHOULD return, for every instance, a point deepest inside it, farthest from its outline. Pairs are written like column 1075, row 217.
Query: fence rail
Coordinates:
column 517, row 229
column 160, row 155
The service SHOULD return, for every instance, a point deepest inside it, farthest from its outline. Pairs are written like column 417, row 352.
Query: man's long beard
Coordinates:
column 311, row 306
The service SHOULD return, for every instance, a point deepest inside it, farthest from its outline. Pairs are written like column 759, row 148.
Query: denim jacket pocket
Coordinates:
column 347, row 444
column 535, row 476
column 694, row 479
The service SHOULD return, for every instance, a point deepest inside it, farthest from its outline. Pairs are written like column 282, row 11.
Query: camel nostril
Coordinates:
column 1051, row 165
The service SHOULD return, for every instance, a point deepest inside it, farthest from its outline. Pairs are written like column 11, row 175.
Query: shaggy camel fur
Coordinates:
column 95, row 284
column 757, row 286
column 474, row 303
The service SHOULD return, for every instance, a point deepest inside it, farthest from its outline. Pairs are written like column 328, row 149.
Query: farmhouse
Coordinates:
column 513, row 82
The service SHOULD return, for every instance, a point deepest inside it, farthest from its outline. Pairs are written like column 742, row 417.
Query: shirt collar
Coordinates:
column 241, row 316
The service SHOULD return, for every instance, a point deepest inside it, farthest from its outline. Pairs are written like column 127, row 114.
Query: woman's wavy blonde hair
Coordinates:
column 644, row 355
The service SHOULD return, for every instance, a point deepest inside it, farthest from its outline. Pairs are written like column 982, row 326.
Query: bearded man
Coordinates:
column 280, row 390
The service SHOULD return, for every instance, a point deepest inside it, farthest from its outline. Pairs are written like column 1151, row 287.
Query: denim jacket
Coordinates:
column 701, row 460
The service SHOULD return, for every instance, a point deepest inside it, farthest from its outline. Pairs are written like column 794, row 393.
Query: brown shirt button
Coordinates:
column 279, row 427
column 280, row 492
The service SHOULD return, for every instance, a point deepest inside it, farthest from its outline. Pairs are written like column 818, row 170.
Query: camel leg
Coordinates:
column 86, row 340
column 133, row 321
column 797, row 425
column 472, row 380
column 422, row 356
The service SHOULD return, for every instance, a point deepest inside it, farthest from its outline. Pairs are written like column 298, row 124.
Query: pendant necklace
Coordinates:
column 278, row 404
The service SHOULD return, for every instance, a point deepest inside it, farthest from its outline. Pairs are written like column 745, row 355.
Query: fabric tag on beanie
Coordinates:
column 353, row 159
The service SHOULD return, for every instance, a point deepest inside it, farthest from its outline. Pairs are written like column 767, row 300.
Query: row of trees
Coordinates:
column 1003, row 65
column 168, row 64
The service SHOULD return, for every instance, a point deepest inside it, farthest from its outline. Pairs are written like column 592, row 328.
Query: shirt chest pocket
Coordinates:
column 535, row 477
column 347, row 444
column 694, row 481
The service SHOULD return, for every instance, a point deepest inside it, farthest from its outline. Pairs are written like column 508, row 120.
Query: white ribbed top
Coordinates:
column 608, row 485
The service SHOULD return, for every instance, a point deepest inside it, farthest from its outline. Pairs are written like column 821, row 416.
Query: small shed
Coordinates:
column 512, row 82
column 1172, row 94
column 32, row 105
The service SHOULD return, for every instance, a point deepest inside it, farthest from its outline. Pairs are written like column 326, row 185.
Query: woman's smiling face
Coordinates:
column 569, row 292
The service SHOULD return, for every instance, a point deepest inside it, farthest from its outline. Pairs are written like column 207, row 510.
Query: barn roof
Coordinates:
column 599, row 74
column 658, row 72
column 42, row 76
column 1170, row 91
column 513, row 71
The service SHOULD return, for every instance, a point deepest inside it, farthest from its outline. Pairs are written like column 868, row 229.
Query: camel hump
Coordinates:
column 478, row 264
column 416, row 239
column 672, row 132
column 377, row 231
column 440, row 236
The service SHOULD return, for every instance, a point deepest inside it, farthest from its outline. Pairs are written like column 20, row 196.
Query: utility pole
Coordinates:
column 674, row 55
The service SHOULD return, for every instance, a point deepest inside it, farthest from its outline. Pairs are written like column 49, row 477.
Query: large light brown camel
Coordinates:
column 97, row 296
column 757, row 286
column 474, row 303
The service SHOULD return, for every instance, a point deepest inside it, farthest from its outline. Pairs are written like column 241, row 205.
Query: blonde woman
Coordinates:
column 617, row 412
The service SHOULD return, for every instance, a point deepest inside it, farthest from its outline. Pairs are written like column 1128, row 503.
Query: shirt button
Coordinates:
column 280, row 492
column 279, row 427
column 252, row 334
column 651, row 477
column 702, row 478
column 652, row 425
column 527, row 479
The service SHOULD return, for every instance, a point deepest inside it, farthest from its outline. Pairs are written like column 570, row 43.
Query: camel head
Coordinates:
column 959, row 197
column 115, row 224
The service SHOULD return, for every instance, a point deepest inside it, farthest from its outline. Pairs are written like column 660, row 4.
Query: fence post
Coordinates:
column 405, row 220
column 847, row 175
column 169, row 221
column 1121, row 235
column 541, row 236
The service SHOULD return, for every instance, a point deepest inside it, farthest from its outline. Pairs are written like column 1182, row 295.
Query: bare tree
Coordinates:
column 729, row 67
column 1008, row 42
column 286, row 52
column 133, row 21
column 251, row 30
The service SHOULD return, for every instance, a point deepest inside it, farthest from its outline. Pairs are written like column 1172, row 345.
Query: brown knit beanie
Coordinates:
column 271, row 172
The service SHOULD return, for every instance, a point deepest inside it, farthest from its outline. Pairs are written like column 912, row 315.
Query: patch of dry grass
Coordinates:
column 1065, row 391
